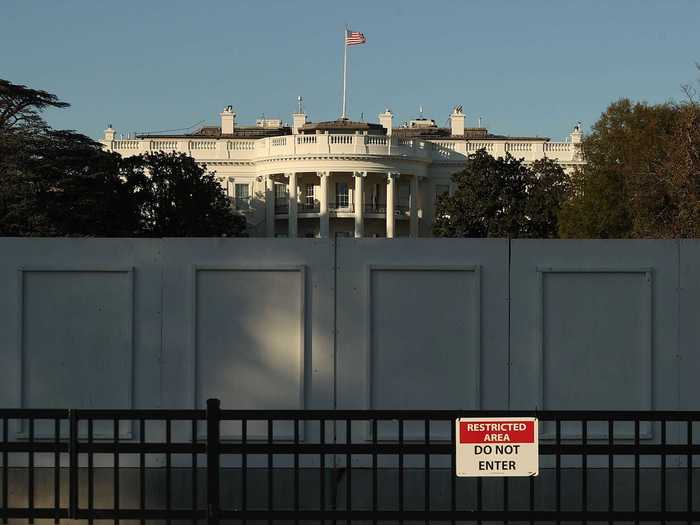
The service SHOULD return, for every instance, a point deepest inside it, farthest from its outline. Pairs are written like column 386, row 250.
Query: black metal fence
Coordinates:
column 358, row 465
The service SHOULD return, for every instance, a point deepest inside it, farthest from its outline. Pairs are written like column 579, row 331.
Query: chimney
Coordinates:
column 386, row 119
column 228, row 120
column 457, row 119
column 576, row 136
column 298, row 120
column 110, row 132
column 299, row 117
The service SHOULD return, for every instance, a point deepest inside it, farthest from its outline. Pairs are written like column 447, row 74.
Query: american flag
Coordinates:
column 353, row 38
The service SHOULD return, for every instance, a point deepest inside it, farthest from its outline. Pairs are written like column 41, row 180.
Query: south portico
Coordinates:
column 342, row 177
column 344, row 202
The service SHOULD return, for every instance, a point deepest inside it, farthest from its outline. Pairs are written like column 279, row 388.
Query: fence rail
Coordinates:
column 350, row 465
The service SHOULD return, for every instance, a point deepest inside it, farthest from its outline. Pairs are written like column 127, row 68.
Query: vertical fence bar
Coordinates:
column 270, row 465
column 322, row 467
column 296, row 471
column 213, row 460
column 168, row 469
column 531, row 481
column 663, row 470
column 689, row 471
column 244, row 468
column 401, row 473
column 375, row 476
column 30, row 477
column 193, row 440
column 584, row 468
column 57, row 470
column 479, row 498
column 5, row 469
column 505, row 498
column 426, row 486
column 557, row 470
column 636, row 470
column 73, row 466
column 115, row 431
column 348, row 466
column 611, row 468
column 453, row 469
column 142, row 470
column 90, row 473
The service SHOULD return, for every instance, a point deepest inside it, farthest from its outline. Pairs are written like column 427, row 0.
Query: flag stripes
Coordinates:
column 353, row 38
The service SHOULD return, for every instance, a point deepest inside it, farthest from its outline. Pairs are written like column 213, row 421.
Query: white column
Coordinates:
column 414, row 206
column 360, row 203
column 269, row 206
column 324, row 227
column 292, row 215
column 390, row 198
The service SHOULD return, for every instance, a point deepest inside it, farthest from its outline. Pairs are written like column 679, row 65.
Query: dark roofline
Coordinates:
column 469, row 134
column 214, row 132
column 343, row 125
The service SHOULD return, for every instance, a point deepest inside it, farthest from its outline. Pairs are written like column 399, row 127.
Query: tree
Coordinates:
column 58, row 182
column 54, row 182
column 176, row 197
column 682, row 171
column 641, row 174
column 20, row 106
column 502, row 198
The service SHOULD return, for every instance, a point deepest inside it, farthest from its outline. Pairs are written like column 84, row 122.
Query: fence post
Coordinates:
column 73, row 465
column 213, row 460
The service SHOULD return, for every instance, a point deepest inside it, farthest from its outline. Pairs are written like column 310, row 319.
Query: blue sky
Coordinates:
column 528, row 67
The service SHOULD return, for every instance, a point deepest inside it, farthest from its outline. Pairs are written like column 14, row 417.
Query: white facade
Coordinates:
column 341, row 178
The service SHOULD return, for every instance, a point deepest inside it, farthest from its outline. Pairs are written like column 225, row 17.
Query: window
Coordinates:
column 309, row 197
column 342, row 194
column 280, row 191
column 373, row 204
column 404, row 196
column 242, row 196
column 281, row 198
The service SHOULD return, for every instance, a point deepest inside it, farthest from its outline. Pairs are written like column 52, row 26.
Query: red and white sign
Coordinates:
column 497, row 447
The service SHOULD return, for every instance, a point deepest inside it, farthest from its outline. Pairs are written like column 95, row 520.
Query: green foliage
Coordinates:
column 58, row 182
column 176, row 197
column 502, row 198
column 640, row 178
column 20, row 106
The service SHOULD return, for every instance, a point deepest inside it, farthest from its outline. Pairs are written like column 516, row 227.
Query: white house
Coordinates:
column 341, row 178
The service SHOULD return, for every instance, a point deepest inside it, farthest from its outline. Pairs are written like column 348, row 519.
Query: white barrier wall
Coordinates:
column 352, row 323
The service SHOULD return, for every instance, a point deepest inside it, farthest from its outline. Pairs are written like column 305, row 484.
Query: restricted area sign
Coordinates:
column 497, row 447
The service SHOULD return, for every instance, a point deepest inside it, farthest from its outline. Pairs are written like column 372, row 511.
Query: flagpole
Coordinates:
column 345, row 68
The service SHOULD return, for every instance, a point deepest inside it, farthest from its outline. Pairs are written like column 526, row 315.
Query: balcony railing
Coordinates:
column 342, row 206
column 285, row 146
column 376, row 207
column 309, row 207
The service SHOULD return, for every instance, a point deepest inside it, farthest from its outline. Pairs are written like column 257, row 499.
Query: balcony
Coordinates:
column 343, row 206
column 376, row 207
column 291, row 146
column 309, row 207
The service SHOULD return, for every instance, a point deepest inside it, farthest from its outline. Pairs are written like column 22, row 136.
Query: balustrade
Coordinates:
column 454, row 150
column 240, row 145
